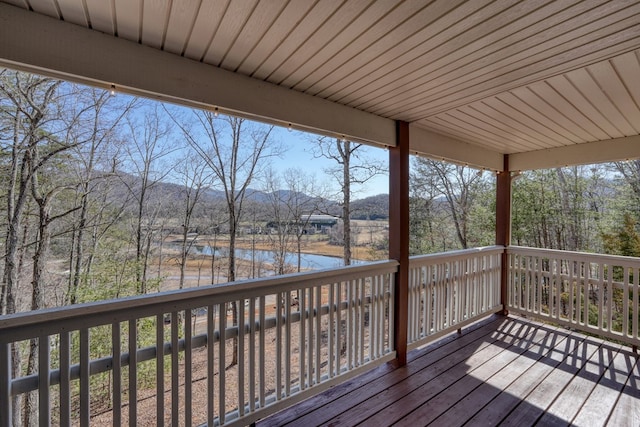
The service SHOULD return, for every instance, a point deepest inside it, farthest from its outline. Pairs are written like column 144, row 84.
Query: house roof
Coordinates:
column 547, row 82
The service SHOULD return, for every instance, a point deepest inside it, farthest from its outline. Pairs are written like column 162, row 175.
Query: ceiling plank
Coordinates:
column 370, row 18
column 339, row 22
column 628, row 68
column 181, row 21
column 234, row 20
column 128, row 18
column 51, row 47
column 548, row 102
column 301, row 32
column 607, row 79
column 101, row 16
column 155, row 15
column 260, row 21
column 207, row 23
column 46, row 7
column 611, row 150
column 73, row 11
column 584, row 45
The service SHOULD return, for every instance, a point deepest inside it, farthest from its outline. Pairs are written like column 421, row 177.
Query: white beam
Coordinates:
column 441, row 147
column 610, row 150
column 40, row 44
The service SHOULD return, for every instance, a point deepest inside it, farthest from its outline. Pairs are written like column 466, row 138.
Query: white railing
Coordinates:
column 594, row 293
column 450, row 290
column 99, row 363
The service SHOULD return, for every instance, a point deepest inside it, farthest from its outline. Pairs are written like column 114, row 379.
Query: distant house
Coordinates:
column 320, row 223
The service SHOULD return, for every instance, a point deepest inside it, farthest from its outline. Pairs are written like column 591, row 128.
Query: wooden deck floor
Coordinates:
column 503, row 371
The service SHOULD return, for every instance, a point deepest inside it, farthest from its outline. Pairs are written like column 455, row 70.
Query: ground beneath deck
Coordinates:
column 502, row 371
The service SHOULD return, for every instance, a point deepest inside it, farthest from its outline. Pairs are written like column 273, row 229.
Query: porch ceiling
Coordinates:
column 548, row 82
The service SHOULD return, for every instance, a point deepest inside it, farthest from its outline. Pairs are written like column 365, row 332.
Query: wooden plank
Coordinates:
column 555, row 351
column 394, row 402
column 567, row 405
column 496, row 384
column 442, row 410
column 365, row 386
column 533, row 405
column 627, row 409
column 596, row 409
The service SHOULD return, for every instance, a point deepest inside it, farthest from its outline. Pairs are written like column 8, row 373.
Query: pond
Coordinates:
column 307, row 261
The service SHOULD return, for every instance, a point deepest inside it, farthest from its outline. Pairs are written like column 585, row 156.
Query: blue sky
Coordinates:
column 299, row 154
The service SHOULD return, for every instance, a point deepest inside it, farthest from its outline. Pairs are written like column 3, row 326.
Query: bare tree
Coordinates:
column 460, row 186
column 353, row 167
column 235, row 151
column 191, row 173
column 96, row 157
column 148, row 146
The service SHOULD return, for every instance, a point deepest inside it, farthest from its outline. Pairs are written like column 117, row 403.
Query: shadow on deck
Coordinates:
column 501, row 371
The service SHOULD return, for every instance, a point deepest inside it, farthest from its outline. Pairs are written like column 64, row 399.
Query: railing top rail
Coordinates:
column 47, row 321
column 574, row 256
column 452, row 255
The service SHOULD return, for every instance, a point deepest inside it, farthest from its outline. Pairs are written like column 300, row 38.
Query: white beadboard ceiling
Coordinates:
column 507, row 76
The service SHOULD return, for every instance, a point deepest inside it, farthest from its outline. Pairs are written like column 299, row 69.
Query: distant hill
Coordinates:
column 171, row 194
column 373, row 207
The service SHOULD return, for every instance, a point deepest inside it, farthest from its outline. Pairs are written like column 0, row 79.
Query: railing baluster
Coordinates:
column 84, row 378
column 65, row 378
column 252, row 354
column 310, row 339
column 133, row 372
column 241, row 362
column 211, row 329
column 318, row 332
column 302, row 343
column 636, row 305
column 626, row 272
column 601, row 297
column 360, row 324
column 331, row 330
column 44, row 382
column 263, row 350
column 338, row 348
column 350, row 322
column 175, row 360
column 288, row 337
column 279, row 300
column 188, row 381
column 222, row 360
column 160, row 369
column 116, row 373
